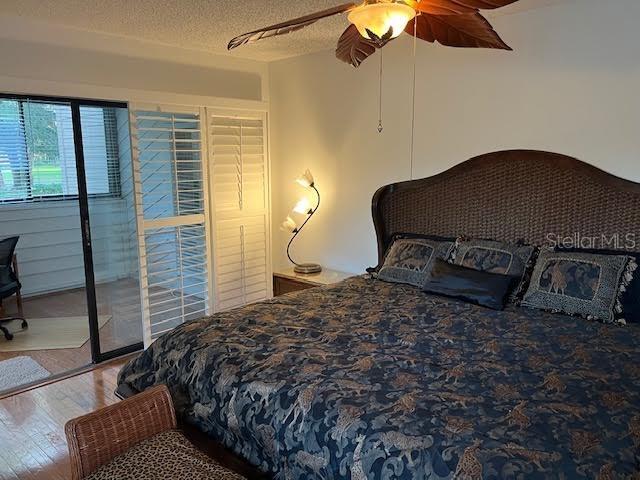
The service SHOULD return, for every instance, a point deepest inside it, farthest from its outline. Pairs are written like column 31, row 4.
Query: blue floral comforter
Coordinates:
column 366, row 379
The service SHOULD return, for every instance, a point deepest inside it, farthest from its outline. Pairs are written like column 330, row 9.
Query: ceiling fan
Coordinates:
column 374, row 23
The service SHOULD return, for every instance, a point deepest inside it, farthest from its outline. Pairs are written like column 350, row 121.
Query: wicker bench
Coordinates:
column 137, row 439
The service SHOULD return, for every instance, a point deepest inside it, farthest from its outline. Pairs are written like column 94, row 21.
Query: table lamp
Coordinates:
column 303, row 207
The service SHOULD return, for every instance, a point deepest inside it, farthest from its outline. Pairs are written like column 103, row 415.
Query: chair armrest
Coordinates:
column 14, row 265
column 97, row 438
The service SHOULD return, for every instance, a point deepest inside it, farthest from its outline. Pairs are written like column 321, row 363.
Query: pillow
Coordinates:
column 409, row 260
column 630, row 298
column 474, row 286
column 439, row 238
column 584, row 284
column 498, row 257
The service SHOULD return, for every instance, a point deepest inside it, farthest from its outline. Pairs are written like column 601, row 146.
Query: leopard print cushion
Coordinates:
column 168, row 455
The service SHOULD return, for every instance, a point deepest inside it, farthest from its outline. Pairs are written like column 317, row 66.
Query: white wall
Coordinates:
column 570, row 86
column 63, row 64
column 63, row 61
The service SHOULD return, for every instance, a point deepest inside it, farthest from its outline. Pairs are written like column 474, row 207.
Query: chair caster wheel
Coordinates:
column 24, row 325
column 8, row 336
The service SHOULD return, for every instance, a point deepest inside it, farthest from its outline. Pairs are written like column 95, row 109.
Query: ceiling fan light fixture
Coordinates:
column 379, row 18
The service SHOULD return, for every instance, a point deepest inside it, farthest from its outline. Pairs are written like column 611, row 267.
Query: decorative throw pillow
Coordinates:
column 474, row 286
column 409, row 260
column 584, row 284
column 629, row 308
column 438, row 238
column 498, row 257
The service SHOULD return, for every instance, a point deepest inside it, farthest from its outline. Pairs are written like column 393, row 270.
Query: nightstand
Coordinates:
column 286, row 280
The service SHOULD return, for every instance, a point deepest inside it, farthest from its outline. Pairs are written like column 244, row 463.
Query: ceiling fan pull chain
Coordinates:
column 413, row 97
column 380, row 127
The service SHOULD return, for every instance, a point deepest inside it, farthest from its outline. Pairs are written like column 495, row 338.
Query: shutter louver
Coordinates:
column 170, row 158
column 237, row 153
column 237, row 148
column 241, row 262
column 176, row 260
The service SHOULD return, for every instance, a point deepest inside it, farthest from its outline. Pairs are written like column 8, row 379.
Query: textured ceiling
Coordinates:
column 200, row 24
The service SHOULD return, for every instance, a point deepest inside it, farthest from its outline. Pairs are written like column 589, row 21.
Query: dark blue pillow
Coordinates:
column 486, row 289
column 630, row 299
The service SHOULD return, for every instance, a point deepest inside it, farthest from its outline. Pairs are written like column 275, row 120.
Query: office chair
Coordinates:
column 9, row 283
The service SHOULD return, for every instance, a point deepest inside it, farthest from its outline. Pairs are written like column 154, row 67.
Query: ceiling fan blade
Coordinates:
column 456, row 7
column 353, row 48
column 288, row 26
column 470, row 30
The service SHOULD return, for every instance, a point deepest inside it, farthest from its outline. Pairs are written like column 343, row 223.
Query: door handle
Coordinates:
column 87, row 232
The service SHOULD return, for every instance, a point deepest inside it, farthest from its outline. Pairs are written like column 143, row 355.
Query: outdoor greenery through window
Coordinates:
column 37, row 152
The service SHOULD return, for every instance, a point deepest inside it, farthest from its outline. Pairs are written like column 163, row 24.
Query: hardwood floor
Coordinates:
column 32, row 441
column 120, row 300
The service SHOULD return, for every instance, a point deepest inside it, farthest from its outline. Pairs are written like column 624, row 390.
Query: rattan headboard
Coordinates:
column 513, row 195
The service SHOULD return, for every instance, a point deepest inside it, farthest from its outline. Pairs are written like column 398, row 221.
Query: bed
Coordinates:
column 371, row 380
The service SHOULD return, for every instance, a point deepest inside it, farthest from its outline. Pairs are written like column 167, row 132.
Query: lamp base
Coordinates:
column 307, row 268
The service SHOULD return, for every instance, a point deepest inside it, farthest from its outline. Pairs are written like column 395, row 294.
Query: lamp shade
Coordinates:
column 306, row 179
column 378, row 18
column 289, row 225
column 303, row 206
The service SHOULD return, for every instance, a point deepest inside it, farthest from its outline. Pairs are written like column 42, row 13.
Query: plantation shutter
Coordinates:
column 239, row 186
column 172, row 207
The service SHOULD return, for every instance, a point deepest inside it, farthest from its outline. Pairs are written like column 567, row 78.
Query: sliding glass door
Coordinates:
column 110, row 212
column 66, row 189
column 40, row 213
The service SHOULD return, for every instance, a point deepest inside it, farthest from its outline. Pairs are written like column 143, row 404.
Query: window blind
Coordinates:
column 101, row 159
column 37, row 153
column 14, row 161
